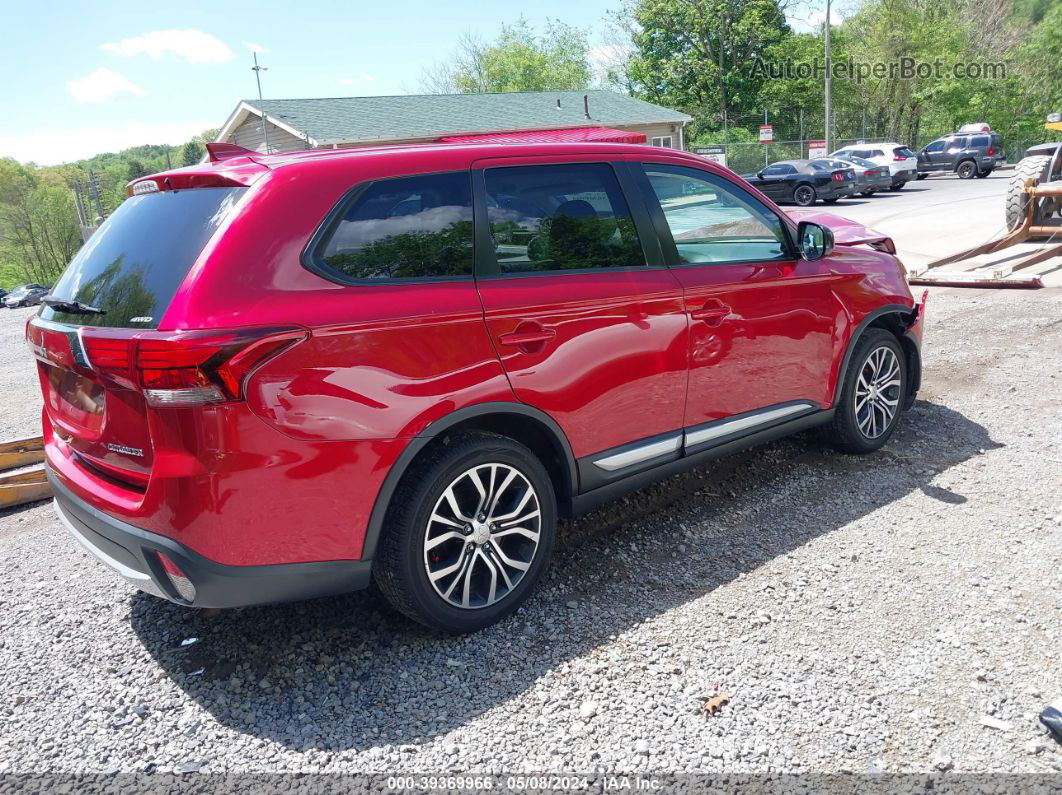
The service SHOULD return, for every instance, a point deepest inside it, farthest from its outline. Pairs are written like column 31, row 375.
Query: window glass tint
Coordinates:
column 861, row 162
column 713, row 221
column 980, row 140
column 903, row 151
column 133, row 264
column 936, row 146
column 560, row 217
column 957, row 143
column 405, row 228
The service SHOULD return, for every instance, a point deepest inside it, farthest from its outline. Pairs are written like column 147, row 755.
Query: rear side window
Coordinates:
column 406, row 228
column 133, row 264
column 903, row 151
column 560, row 217
column 980, row 141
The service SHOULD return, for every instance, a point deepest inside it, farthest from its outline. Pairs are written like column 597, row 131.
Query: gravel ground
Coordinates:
column 865, row 614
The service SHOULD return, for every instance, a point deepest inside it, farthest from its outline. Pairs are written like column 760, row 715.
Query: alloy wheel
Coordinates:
column 877, row 392
column 804, row 196
column 482, row 536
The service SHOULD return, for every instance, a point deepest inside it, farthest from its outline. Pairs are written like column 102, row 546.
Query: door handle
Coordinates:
column 713, row 314
column 527, row 336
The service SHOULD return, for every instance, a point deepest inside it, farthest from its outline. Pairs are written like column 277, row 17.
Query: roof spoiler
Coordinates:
column 218, row 151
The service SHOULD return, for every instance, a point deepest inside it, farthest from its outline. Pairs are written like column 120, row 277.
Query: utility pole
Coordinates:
column 258, row 79
column 827, row 36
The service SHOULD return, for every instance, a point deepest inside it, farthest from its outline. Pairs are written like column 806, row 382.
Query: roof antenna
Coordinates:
column 586, row 105
column 558, row 103
column 258, row 79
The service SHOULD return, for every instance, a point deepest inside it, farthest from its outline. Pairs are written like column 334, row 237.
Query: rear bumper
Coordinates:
column 134, row 555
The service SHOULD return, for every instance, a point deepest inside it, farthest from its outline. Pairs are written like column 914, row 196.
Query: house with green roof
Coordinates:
column 284, row 125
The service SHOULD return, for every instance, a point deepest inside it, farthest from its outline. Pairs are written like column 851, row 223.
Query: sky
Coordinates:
column 81, row 80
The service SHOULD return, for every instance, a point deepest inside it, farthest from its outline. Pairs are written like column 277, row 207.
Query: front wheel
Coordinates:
column 469, row 533
column 804, row 195
column 871, row 396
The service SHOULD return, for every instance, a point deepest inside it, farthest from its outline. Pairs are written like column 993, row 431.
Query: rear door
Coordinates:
column 587, row 320
column 761, row 319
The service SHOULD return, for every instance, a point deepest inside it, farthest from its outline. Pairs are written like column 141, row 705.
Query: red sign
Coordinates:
column 766, row 133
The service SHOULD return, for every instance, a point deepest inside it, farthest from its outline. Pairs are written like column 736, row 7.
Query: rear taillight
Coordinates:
column 192, row 368
column 899, row 158
column 991, row 151
column 837, row 176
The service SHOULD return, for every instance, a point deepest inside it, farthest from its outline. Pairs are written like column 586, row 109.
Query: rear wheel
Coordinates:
column 921, row 175
column 983, row 174
column 867, row 193
column 897, row 186
column 804, row 195
column 1035, row 168
column 966, row 169
column 829, row 201
column 469, row 533
column 869, row 403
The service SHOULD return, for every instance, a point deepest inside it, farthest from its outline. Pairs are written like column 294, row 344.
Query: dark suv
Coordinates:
column 273, row 377
column 965, row 154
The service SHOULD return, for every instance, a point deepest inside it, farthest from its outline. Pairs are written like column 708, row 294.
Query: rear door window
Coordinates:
column 980, row 141
column 560, row 217
column 405, row 228
column 134, row 263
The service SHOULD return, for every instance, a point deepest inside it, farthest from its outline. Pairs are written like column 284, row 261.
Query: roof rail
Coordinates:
column 219, row 151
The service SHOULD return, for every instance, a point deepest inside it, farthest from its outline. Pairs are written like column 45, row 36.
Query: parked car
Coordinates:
column 802, row 182
column 25, row 295
column 965, row 155
column 869, row 177
column 901, row 161
column 433, row 354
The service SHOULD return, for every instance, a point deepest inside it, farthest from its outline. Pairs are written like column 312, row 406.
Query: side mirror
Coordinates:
column 815, row 241
column 759, row 175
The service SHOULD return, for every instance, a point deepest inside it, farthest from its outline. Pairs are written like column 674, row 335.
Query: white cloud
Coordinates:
column 194, row 46
column 250, row 45
column 101, row 85
column 50, row 146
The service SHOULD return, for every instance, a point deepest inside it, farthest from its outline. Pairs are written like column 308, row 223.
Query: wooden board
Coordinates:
column 22, row 487
column 21, row 452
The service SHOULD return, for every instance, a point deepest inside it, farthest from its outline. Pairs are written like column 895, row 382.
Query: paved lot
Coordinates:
column 866, row 614
column 944, row 215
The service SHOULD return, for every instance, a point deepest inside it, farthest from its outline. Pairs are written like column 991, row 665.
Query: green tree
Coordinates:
column 136, row 169
column 696, row 55
column 191, row 153
column 518, row 60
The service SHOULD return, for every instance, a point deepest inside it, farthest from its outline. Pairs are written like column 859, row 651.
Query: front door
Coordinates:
column 586, row 319
column 761, row 319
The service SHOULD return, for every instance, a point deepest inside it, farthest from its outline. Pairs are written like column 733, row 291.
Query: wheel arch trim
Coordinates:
column 417, row 444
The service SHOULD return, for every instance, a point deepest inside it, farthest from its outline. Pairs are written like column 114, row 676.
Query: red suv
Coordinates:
column 277, row 377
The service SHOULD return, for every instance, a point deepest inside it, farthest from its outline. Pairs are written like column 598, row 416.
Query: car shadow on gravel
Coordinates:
column 348, row 673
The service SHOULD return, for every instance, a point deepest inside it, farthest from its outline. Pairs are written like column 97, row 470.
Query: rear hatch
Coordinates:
column 96, row 341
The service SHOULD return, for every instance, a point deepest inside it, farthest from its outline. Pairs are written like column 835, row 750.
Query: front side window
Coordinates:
column 936, row 146
column 406, row 228
column 712, row 221
column 560, row 217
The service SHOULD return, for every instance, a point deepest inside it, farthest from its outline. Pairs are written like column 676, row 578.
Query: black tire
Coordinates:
column 844, row 431
column 804, row 195
column 400, row 567
column 983, row 174
column 897, row 186
column 921, row 176
column 867, row 193
column 829, row 201
column 966, row 169
column 1036, row 168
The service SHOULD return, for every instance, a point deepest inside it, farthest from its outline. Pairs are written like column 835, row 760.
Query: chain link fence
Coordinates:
column 793, row 133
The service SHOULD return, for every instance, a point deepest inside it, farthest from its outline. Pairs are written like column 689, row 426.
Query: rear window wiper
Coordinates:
column 71, row 307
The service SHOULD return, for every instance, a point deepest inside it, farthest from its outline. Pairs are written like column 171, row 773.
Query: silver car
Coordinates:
column 870, row 177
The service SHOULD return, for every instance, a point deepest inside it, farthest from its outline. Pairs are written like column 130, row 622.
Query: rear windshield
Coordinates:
column 903, row 151
column 133, row 264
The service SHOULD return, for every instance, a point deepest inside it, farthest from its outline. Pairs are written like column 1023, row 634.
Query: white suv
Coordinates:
column 901, row 161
